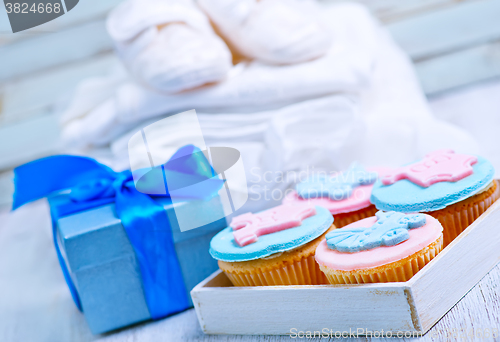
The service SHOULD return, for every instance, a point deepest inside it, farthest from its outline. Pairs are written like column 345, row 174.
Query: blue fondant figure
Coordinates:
column 390, row 229
column 338, row 187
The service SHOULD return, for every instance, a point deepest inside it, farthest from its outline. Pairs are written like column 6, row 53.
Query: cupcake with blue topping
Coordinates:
column 453, row 188
column 273, row 247
column 346, row 195
column 389, row 247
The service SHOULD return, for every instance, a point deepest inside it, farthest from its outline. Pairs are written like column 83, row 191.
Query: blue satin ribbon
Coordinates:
column 145, row 221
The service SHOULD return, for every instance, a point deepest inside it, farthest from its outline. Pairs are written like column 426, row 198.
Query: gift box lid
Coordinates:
column 96, row 235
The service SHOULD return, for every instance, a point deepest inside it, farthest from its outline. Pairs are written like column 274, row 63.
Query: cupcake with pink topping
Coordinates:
column 388, row 247
column 346, row 195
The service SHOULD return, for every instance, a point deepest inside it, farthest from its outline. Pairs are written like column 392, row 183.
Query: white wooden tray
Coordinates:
column 413, row 306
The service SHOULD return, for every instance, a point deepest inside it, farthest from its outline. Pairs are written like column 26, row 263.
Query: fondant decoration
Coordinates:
column 248, row 227
column 419, row 238
column 438, row 166
column 390, row 229
column 338, row 187
column 224, row 247
column 408, row 197
column 359, row 199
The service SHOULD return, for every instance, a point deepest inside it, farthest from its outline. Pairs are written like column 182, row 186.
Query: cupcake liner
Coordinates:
column 401, row 270
column 457, row 217
column 302, row 272
column 296, row 267
column 342, row 220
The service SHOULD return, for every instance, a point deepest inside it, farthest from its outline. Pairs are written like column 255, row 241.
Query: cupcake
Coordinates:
column 453, row 188
column 273, row 247
column 346, row 195
column 388, row 247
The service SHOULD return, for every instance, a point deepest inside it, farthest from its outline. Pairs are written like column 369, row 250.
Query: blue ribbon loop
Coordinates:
column 145, row 221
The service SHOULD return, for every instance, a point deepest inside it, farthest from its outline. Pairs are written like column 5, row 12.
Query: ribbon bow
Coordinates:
column 93, row 184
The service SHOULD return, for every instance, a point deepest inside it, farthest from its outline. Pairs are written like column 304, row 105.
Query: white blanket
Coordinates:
column 347, row 67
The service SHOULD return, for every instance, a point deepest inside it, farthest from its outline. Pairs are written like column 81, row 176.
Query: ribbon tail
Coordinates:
column 42, row 177
column 150, row 234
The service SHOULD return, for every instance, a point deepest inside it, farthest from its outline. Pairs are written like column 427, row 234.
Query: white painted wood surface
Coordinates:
column 452, row 46
column 21, row 58
column 26, row 98
column 457, row 269
column 6, row 188
column 460, row 68
column 275, row 310
column 449, row 29
column 397, row 10
column 470, row 106
column 29, row 140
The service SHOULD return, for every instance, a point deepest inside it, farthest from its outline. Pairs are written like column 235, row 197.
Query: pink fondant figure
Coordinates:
column 438, row 166
column 248, row 227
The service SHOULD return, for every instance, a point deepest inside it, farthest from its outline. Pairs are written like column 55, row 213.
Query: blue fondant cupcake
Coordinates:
column 273, row 247
column 454, row 188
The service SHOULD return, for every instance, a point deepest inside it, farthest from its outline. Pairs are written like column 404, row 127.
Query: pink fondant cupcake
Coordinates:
column 389, row 247
column 346, row 195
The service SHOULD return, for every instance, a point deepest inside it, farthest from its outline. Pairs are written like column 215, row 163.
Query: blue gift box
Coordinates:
column 104, row 267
